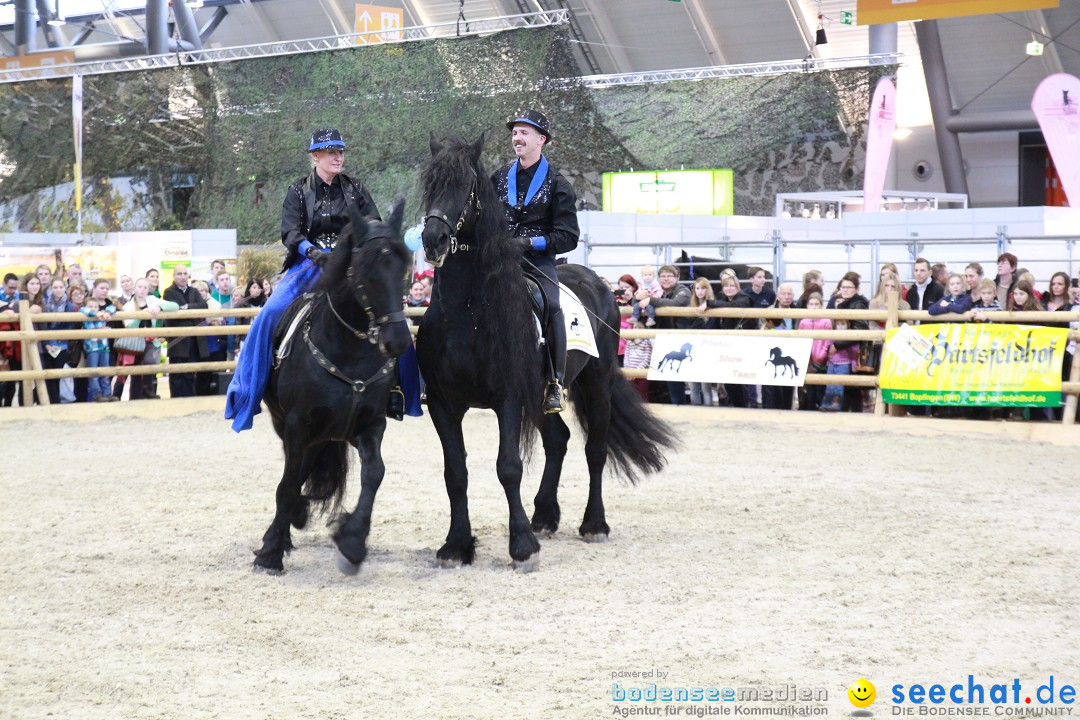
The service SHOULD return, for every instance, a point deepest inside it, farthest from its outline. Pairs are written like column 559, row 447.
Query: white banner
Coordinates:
column 730, row 359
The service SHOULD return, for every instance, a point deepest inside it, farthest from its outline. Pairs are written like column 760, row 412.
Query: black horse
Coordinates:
column 331, row 388
column 478, row 347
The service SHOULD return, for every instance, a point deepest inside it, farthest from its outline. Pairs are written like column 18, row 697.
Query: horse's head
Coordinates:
column 371, row 261
column 451, row 196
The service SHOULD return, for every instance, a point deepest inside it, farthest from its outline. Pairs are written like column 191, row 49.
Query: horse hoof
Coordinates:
column 543, row 531
column 344, row 565
column 528, row 565
column 594, row 537
column 448, row 563
column 262, row 570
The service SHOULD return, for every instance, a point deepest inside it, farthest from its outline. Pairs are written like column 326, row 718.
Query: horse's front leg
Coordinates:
column 351, row 534
column 524, row 547
column 292, row 508
column 460, row 545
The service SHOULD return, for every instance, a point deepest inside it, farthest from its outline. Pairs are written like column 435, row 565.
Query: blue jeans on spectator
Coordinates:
column 650, row 312
column 97, row 385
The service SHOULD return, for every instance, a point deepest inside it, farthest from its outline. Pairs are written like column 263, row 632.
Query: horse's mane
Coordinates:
column 504, row 308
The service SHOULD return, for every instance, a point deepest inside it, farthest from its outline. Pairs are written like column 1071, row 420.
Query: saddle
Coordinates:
column 285, row 332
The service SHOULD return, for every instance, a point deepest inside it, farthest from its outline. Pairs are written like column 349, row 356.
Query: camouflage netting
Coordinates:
column 241, row 126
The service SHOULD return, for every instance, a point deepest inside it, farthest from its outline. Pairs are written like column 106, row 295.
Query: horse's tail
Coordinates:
column 636, row 439
column 325, row 485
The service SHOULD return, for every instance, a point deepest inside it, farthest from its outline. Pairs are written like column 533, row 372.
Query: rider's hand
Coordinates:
column 317, row 256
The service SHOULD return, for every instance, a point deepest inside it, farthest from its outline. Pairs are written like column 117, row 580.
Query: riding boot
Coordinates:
column 556, row 341
column 395, row 406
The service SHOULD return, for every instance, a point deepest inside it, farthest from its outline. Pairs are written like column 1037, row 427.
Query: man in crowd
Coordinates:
column 924, row 292
column 672, row 295
column 184, row 349
column 74, row 274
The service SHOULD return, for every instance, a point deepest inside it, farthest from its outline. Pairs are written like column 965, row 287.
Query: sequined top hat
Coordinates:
column 534, row 118
column 323, row 139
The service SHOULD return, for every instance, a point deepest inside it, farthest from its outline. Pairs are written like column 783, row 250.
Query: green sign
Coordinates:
column 674, row 192
column 847, row 17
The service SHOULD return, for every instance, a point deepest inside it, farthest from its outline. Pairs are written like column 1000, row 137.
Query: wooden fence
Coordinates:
column 33, row 375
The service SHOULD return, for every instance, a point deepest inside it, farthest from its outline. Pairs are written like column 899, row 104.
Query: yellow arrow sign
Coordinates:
column 377, row 24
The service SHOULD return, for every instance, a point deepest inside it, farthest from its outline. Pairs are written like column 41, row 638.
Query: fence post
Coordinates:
column 892, row 302
column 1071, row 401
column 31, row 359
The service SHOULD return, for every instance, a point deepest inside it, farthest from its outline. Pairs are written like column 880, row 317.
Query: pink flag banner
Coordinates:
column 1056, row 109
column 879, row 142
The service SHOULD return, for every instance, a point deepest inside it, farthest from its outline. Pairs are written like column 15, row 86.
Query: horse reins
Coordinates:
column 455, row 229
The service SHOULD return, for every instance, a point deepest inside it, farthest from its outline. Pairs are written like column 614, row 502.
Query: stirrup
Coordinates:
column 395, row 406
column 553, row 398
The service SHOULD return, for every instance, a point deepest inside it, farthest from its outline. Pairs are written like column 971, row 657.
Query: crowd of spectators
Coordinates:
column 969, row 295
column 65, row 291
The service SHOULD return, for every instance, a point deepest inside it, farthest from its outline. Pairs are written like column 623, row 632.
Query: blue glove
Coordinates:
column 539, row 243
column 304, row 247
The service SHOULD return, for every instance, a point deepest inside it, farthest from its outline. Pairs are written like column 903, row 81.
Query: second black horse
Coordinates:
column 477, row 347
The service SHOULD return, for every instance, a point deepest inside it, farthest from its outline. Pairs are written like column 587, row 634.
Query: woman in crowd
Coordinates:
column 889, row 282
column 142, row 300
column 1057, row 298
column 33, row 291
column 54, row 353
column 267, row 288
column 732, row 296
column 700, row 293
column 973, row 274
column 848, row 298
column 812, row 281
column 254, row 295
column 624, row 297
column 1005, row 280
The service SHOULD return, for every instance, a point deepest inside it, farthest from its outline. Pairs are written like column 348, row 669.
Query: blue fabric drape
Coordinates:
column 244, row 398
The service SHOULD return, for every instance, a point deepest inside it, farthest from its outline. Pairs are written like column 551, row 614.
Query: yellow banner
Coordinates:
column 879, row 12
column 973, row 364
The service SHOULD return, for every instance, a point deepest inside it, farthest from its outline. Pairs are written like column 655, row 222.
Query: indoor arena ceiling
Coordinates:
column 985, row 55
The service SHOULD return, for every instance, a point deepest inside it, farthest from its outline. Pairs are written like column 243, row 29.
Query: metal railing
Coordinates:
column 484, row 26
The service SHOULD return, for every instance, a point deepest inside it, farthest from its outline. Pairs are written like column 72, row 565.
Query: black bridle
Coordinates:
column 473, row 203
column 374, row 323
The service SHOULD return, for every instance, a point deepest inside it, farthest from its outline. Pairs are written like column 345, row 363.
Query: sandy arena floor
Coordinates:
column 767, row 554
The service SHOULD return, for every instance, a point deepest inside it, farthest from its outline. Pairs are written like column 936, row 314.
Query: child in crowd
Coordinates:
column 841, row 362
column 1024, row 298
column 957, row 299
column 651, row 286
column 638, row 356
column 96, row 351
column 987, row 302
column 810, row 395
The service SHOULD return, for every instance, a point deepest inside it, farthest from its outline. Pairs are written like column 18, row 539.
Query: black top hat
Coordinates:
column 323, row 139
column 534, row 118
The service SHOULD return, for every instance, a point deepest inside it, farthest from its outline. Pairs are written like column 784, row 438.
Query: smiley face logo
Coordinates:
column 862, row 693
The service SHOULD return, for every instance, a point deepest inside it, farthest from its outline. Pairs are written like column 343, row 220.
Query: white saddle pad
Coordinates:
column 579, row 331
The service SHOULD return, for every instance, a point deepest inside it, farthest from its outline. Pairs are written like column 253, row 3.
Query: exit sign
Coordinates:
column 847, row 17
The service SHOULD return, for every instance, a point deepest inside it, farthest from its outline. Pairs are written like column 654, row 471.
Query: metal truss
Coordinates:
column 782, row 67
column 485, row 26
